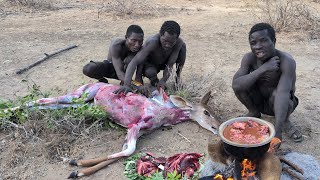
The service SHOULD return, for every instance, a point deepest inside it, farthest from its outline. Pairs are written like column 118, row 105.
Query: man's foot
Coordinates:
column 103, row 80
column 252, row 114
column 293, row 132
column 154, row 81
column 274, row 145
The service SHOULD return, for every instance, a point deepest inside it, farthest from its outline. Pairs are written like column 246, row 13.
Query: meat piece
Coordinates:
column 184, row 163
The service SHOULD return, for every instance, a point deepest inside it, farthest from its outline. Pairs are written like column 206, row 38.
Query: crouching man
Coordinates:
column 265, row 82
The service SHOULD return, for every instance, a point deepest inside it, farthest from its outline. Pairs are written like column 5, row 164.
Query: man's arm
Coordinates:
column 139, row 73
column 172, row 60
column 282, row 96
column 117, row 61
column 138, row 59
column 243, row 79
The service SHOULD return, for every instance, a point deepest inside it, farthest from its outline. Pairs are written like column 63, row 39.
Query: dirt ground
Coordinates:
column 216, row 34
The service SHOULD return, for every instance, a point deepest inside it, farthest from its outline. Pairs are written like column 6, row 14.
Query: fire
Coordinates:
column 248, row 169
column 220, row 177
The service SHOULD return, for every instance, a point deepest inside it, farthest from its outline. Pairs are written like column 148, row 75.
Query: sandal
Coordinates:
column 293, row 132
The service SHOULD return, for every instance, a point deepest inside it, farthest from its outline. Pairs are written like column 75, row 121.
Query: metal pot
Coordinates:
column 246, row 151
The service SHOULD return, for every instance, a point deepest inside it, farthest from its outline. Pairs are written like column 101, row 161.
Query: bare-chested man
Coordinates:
column 265, row 82
column 160, row 52
column 121, row 52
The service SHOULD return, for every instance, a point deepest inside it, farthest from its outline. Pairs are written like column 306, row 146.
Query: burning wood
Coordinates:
column 266, row 166
column 248, row 169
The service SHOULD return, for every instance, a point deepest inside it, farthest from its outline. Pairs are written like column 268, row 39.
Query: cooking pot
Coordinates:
column 246, row 151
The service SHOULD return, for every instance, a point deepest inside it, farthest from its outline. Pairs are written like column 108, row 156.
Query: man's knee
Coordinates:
column 150, row 72
column 182, row 55
column 89, row 69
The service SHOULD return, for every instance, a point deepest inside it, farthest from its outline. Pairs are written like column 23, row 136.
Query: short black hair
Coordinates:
column 134, row 29
column 263, row 26
column 171, row 27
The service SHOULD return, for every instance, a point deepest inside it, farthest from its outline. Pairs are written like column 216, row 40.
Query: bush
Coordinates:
column 133, row 8
column 289, row 15
column 36, row 4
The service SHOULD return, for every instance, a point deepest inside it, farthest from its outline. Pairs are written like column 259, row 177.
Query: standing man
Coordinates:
column 265, row 82
column 160, row 52
column 121, row 52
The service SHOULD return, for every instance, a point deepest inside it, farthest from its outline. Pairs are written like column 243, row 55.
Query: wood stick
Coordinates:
column 184, row 137
column 292, row 174
column 295, row 167
column 47, row 56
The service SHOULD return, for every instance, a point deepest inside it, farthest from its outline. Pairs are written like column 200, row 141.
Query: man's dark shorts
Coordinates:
column 105, row 69
column 158, row 67
column 264, row 105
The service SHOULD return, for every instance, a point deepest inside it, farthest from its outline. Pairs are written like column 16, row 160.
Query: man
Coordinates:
column 160, row 52
column 265, row 82
column 121, row 52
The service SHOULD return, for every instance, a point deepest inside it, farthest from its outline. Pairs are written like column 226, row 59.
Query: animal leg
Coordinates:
column 90, row 170
column 101, row 162
column 89, row 90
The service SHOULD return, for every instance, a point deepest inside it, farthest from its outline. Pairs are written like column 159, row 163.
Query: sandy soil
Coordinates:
column 216, row 36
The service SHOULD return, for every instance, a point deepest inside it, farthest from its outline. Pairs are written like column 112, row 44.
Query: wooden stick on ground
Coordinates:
column 47, row 56
column 292, row 174
column 295, row 167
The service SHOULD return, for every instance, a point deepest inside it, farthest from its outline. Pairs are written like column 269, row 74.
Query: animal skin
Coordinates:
column 135, row 112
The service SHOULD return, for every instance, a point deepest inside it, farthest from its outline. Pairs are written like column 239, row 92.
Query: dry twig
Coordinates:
column 47, row 56
column 292, row 174
column 295, row 167
column 184, row 137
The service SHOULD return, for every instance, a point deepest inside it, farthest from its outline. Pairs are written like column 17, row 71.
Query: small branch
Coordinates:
column 47, row 56
column 6, row 137
column 295, row 167
column 87, row 130
column 18, row 127
column 292, row 174
column 184, row 137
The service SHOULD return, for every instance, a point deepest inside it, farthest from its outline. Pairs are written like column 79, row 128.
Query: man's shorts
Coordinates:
column 105, row 69
column 264, row 105
column 158, row 67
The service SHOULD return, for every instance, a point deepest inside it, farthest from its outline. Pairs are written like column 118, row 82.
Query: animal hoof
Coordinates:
column 73, row 175
column 73, row 162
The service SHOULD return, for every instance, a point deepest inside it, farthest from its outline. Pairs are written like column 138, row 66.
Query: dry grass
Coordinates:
column 134, row 9
column 194, row 87
column 288, row 16
column 34, row 4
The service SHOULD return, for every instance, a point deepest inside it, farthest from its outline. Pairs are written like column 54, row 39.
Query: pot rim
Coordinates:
column 244, row 119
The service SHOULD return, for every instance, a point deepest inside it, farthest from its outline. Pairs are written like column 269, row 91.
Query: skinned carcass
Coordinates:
column 135, row 112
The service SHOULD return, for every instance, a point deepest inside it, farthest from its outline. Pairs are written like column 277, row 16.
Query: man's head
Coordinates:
column 262, row 41
column 264, row 26
column 169, row 34
column 134, row 38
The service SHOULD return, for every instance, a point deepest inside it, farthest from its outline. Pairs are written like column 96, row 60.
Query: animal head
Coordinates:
column 201, row 112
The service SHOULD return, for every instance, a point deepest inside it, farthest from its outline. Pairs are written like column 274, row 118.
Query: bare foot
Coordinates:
column 252, row 114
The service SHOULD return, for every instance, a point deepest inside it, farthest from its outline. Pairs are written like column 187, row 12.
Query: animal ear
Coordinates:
column 180, row 102
column 206, row 98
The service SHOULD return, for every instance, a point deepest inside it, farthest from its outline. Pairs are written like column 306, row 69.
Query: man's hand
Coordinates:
column 272, row 64
column 161, row 84
column 144, row 90
column 124, row 89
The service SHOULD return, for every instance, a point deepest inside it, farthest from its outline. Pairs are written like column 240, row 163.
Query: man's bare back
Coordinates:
column 160, row 52
column 120, row 53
